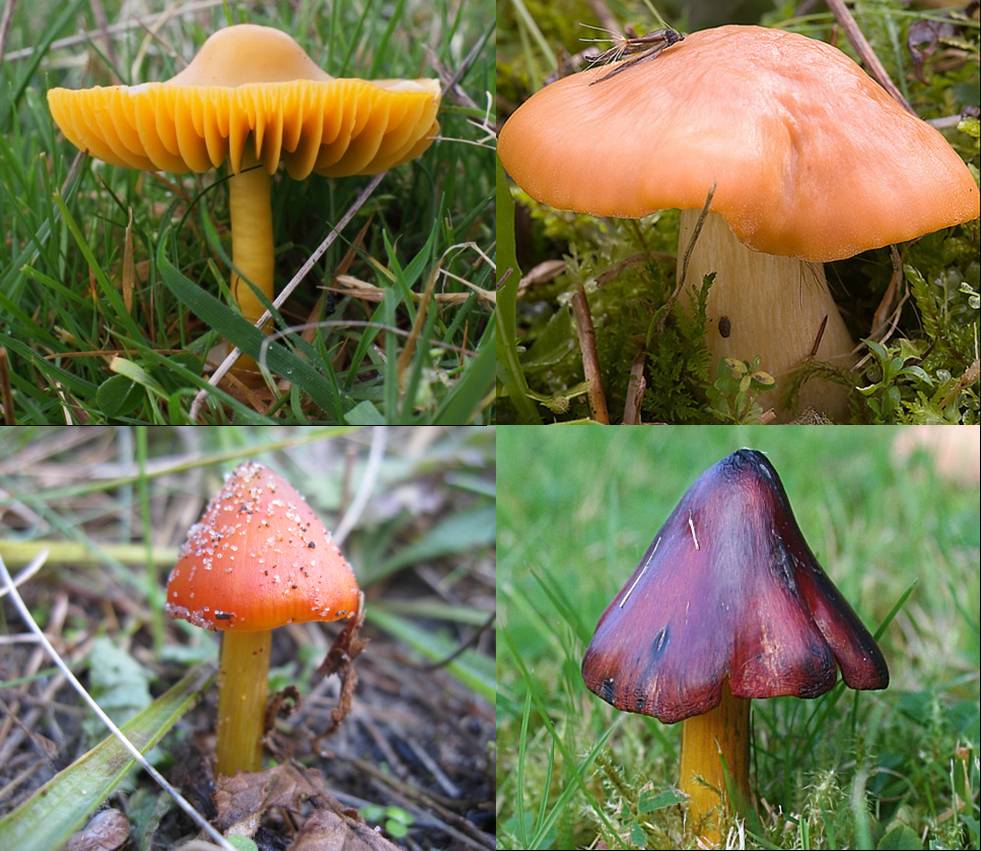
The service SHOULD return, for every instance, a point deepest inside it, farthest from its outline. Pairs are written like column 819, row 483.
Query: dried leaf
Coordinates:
column 340, row 660
column 923, row 39
column 281, row 705
column 106, row 831
column 247, row 795
column 329, row 831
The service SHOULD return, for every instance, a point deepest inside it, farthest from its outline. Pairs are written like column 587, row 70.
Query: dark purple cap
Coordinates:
column 728, row 589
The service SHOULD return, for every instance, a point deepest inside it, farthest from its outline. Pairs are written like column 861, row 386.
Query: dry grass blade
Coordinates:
column 5, row 389
column 865, row 51
column 590, row 359
column 379, row 438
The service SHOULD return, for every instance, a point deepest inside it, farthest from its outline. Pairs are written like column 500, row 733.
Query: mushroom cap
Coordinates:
column 251, row 80
column 259, row 558
column 809, row 156
column 728, row 590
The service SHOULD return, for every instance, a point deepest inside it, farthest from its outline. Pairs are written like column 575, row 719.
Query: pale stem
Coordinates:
column 771, row 306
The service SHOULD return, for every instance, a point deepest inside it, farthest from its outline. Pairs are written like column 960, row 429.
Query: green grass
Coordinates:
column 88, row 343
column 925, row 373
column 577, row 507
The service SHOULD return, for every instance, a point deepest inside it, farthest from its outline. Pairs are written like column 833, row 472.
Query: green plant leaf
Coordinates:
column 243, row 334
column 474, row 670
column 461, row 532
column 900, row 837
column 662, row 800
column 62, row 805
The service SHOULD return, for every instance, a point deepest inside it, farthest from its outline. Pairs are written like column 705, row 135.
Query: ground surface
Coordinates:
column 577, row 508
column 419, row 737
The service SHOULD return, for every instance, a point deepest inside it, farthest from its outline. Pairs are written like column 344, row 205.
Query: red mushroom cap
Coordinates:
column 728, row 590
column 259, row 558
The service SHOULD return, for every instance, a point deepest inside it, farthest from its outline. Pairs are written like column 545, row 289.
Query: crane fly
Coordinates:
column 640, row 48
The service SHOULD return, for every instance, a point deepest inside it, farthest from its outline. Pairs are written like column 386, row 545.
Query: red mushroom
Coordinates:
column 258, row 558
column 728, row 604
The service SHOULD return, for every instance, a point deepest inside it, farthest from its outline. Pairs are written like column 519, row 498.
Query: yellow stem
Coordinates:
column 252, row 236
column 242, row 700
column 723, row 731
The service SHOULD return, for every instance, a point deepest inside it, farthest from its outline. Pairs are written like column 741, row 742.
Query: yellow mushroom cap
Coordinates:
column 809, row 156
column 250, row 80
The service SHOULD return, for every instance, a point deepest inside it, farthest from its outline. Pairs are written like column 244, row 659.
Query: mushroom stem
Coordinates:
column 242, row 700
column 771, row 306
column 721, row 732
column 253, row 255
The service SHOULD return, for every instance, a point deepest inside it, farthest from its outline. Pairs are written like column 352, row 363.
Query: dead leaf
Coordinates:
column 340, row 660
column 281, row 705
column 106, row 831
column 248, row 794
column 328, row 831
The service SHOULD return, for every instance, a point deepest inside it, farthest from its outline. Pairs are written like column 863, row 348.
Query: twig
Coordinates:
column 590, row 361
column 881, row 315
column 349, row 323
column 379, row 437
column 702, row 216
column 8, row 16
column 969, row 377
column 304, row 270
column 121, row 27
column 865, row 51
column 28, row 619
column 603, row 14
column 818, row 337
column 408, row 350
column 609, row 274
column 102, row 22
column 635, row 391
column 26, row 573
column 8, row 394
column 946, row 121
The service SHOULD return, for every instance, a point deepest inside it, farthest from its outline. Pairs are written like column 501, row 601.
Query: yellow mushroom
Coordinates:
column 252, row 97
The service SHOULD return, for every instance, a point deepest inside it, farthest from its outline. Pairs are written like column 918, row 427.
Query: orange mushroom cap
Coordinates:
column 259, row 558
column 248, row 79
column 809, row 156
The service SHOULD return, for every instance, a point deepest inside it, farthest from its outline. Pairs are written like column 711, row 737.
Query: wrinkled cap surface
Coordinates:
column 259, row 558
column 728, row 590
column 252, row 91
column 810, row 157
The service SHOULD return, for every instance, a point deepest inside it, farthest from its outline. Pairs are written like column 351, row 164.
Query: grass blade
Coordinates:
column 473, row 669
column 506, row 315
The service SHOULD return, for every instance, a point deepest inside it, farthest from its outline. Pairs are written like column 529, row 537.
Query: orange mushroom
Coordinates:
column 258, row 558
column 809, row 158
column 250, row 97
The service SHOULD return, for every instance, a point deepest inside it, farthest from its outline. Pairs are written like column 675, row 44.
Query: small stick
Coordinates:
column 410, row 344
column 865, row 51
column 8, row 394
column 590, row 361
column 8, row 15
column 818, row 337
column 635, row 391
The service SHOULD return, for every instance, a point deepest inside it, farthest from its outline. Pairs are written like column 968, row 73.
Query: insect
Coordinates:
column 725, row 326
column 641, row 48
